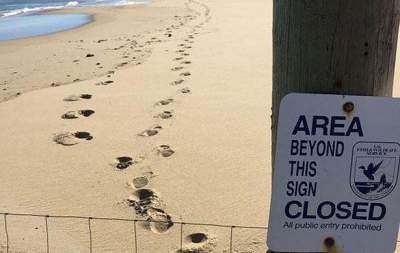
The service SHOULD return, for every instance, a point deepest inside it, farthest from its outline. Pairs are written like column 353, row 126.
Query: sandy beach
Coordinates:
column 165, row 117
column 157, row 112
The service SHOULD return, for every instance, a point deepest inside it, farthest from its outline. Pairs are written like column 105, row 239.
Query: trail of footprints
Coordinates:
column 129, row 49
column 145, row 201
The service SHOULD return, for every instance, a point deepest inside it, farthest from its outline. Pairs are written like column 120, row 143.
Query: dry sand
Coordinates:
column 200, row 155
column 185, row 109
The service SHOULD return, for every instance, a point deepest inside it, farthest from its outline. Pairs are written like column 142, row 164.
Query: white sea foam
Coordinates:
column 72, row 3
column 38, row 9
column 68, row 5
column 26, row 10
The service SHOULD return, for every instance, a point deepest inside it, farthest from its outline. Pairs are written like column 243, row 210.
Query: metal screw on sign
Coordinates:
column 348, row 107
column 329, row 244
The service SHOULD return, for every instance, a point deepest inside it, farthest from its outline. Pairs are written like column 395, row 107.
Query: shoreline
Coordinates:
column 90, row 19
column 105, row 28
column 71, row 5
column 90, row 11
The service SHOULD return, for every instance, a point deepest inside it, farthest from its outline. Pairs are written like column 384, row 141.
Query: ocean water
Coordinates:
column 19, row 27
column 17, row 7
column 23, row 18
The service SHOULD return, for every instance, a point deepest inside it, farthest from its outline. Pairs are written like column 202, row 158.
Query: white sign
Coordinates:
column 335, row 175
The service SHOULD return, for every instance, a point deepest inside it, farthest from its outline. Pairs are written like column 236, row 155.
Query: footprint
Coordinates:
column 186, row 62
column 165, row 101
column 165, row 151
column 151, row 131
column 177, row 82
column 76, row 114
column 198, row 243
column 184, row 90
column 185, row 74
column 159, row 221
column 180, row 51
column 86, row 96
column 86, row 113
column 83, row 135
column 77, row 97
column 140, row 182
column 178, row 58
column 188, row 47
column 105, row 82
column 144, row 199
column 121, row 64
column 165, row 115
column 124, row 162
column 177, row 68
column 54, row 84
column 69, row 139
column 147, row 203
column 185, row 54
column 197, row 238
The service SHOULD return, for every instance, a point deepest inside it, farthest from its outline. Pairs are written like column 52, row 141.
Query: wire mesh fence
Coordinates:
column 86, row 230
column 86, row 227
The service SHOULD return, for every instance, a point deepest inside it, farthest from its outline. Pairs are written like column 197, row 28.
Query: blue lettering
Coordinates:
column 301, row 126
column 342, row 210
column 333, row 126
column 287, row 211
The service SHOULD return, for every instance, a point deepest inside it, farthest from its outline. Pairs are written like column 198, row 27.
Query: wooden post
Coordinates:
column 333, row 47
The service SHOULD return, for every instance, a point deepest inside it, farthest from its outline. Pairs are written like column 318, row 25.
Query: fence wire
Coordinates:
column 134, row 221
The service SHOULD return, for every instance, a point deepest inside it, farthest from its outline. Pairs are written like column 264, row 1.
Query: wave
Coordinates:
column 71, row 4
column 26, row 10
column 37, row 9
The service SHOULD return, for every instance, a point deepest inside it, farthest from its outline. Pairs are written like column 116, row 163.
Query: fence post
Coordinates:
column 6, row 232
column 90, row 235
column 47, row 234
column 181, row 242
column 135, row 232
column 231, row 240
column 333, row 47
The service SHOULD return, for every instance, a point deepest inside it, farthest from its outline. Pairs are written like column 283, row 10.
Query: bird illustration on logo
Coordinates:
column 371, row 170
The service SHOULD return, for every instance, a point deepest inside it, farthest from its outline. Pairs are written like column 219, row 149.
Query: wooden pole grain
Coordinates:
column 333, row 47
